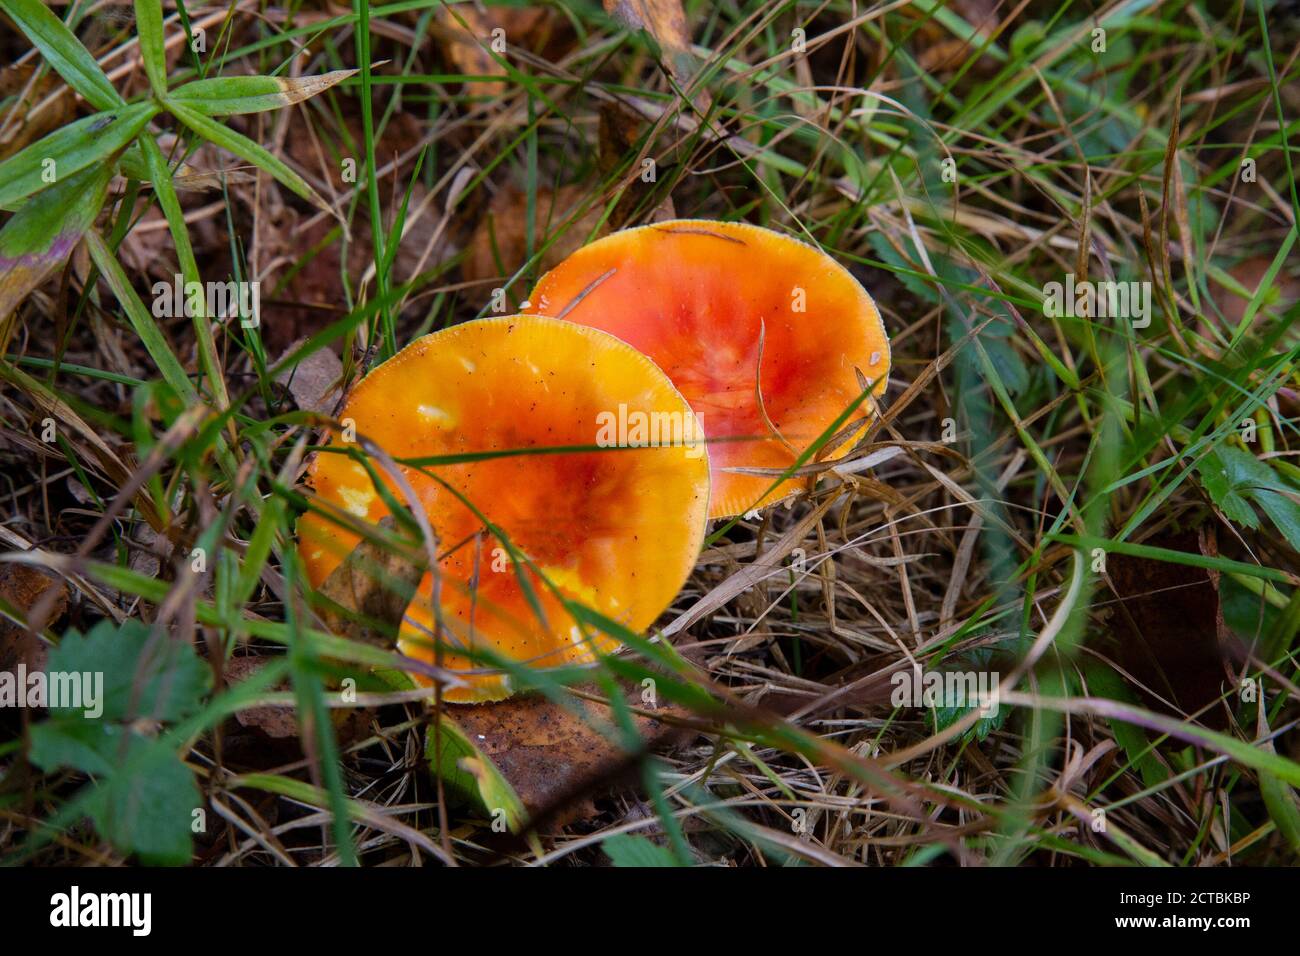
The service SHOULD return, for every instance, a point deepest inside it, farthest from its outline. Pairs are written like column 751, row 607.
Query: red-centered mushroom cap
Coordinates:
column 616, row 529
column 699, row 298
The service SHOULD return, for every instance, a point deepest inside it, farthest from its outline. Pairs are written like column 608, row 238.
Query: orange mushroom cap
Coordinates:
column 703, row 300
column 615, row 530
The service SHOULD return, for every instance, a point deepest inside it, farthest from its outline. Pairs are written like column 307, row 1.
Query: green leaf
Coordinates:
column 1007, row 364
column 147, row 807
column 149, row 28
column 145, row 674
column 633, row 850
column 228, row 95
column 944, row 715
column 83, row 143
column 469, row 773
column 132, row 162
column 1247, row 613
column 1214, row 478
column 90, row 746
column 1288, row 472
column 142, row 796
column 245, row 148
column 45, row 230
column 1283, row 512
column 1251, row 478
column 902, row 271
column 63, row 52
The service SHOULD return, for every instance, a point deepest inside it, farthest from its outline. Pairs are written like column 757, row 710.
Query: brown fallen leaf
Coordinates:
column 314, row 382
column 939, row 51
column 1167, row 627
column 268, row 736
column 148, row 552
column 467, row 36
column 533, row 760
column 279, row 723
column 499, row 245
column 22, row 585
column 1249, row 273
column 666, row 22
column 620, row 131
column 201, row 168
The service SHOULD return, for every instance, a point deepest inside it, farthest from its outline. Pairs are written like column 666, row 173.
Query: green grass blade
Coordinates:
column 1280, row 801
column 230, row 95
column 309, row 692
column 43, row 233
column 90, row 140
column 246, row 149
column 1111, row 546
column 372, row 182
column 149, row 28
column 142, row 321
column 161, row 178
column 1244, row 752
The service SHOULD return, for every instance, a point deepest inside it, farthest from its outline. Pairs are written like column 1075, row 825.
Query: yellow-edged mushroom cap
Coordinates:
column 704, row 299
column 616, row 527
